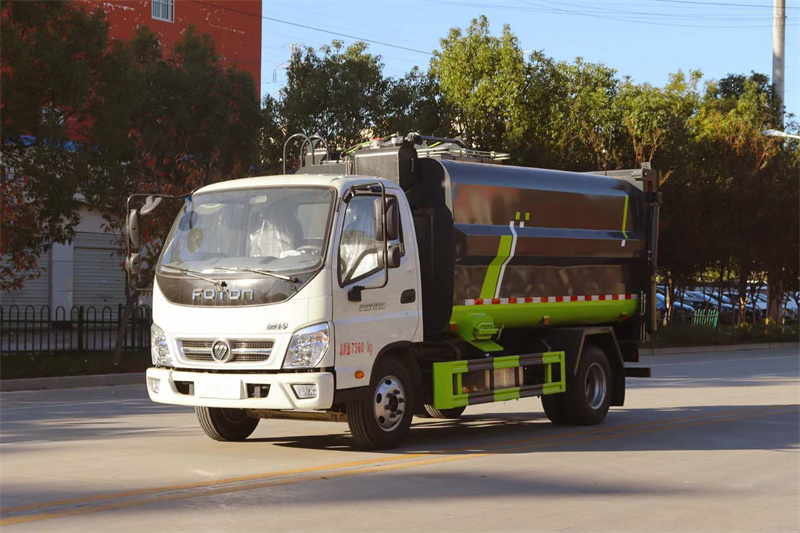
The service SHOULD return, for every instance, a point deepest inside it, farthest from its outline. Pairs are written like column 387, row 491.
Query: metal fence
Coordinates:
column 89, row 329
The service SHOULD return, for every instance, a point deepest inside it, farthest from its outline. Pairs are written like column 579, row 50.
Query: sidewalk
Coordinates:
column 70, row 382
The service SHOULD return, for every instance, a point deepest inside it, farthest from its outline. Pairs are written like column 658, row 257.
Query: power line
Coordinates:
column 701, row 16
column 338, row 34
column 636, row 18
column 698, row 2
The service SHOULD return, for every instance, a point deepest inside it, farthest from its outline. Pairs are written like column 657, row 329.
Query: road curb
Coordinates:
column 723, row 348
column 70, row 382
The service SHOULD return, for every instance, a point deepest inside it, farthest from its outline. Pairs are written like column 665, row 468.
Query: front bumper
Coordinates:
column 220, row 390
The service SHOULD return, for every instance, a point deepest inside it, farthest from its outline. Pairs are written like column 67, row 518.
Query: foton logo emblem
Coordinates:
column 232, row 295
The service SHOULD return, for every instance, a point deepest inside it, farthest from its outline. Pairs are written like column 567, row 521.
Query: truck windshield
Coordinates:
column 281, row 230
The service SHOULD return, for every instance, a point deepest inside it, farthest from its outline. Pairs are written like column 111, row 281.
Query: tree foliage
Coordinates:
column 482, row 78
column 337, row 93
column 52, row 53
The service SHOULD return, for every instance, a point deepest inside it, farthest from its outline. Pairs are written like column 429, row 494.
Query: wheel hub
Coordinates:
column 390, row 399
column 595, row 386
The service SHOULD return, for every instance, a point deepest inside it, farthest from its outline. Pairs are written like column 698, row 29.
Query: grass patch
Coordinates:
column 72, row 363
column 686, row 335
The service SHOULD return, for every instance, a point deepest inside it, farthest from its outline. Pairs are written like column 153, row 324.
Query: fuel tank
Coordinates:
column 528, row 247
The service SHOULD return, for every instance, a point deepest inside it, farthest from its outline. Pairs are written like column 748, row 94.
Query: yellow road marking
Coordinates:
column 400, row 463
column 200, row 484
column 405, row 457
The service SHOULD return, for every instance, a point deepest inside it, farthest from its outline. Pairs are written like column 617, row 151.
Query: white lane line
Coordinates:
column 43, row 405
column 724, row 360
column 122, row 433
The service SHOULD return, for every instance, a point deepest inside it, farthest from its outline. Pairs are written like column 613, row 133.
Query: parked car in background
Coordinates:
column 707, row 301
column 680, row 312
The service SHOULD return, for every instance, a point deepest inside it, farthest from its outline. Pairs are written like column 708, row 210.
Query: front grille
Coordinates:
column 244, row 351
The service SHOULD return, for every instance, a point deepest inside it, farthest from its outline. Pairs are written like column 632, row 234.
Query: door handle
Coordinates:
column 408, row 296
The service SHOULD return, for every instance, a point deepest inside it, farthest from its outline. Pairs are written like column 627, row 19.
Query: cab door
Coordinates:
column 384, row 315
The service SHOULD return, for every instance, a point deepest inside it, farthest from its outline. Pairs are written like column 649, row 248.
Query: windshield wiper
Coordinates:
column 258, row 271
column 194, row 274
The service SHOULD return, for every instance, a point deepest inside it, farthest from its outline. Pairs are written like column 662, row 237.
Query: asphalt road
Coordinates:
column 710, row 443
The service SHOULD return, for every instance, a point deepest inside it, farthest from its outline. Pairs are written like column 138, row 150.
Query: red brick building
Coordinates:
column 235, row 25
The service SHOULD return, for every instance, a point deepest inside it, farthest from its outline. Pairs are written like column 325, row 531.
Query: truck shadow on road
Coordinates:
column 762, row 427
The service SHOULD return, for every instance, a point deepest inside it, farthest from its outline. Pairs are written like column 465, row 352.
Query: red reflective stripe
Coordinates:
column 548, row 299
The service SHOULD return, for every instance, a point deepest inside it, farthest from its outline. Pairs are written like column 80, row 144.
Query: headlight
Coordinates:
column 308, row 347
column 159, row 350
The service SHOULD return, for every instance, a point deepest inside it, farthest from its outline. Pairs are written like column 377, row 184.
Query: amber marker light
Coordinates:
column 359, row 374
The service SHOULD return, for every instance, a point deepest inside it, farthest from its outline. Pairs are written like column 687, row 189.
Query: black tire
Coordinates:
column 588, row 395
column 391, row 382
column 226, row 424
column 555, row 409
column 450, row 414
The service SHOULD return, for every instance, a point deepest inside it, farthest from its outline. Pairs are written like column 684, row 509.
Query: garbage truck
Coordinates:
column 408, row 276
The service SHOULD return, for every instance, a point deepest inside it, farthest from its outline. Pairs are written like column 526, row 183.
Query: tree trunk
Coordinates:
column 742, row 290
column 775, row 299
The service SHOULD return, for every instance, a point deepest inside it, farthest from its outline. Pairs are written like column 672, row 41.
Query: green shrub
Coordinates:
column 687, row 335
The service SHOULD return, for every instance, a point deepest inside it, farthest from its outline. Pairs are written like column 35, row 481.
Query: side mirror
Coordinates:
column 393, row 258
column 132, row 226
column 133, row 265
column 392, row 220
column 377, row 209
column 150, row 203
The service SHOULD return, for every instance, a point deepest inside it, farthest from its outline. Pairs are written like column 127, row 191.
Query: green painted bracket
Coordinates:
column 478, row 330
column 448, row 379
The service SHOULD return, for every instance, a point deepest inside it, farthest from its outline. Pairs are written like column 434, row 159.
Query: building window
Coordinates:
column 164, row 10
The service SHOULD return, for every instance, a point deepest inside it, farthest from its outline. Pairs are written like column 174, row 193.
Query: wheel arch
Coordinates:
column 572, row 342
column 400, row 350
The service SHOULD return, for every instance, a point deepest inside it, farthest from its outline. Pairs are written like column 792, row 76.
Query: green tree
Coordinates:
column 482, row 78
column 569, row 120
column 415, row 103
column 52, row 52
column 167, row 125
column 755, row 178
column 337, row 93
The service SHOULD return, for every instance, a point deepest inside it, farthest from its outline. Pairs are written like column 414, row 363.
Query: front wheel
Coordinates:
column 226, row 424
column 380, row 419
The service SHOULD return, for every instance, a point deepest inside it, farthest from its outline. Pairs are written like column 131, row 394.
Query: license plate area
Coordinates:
column 219, row 388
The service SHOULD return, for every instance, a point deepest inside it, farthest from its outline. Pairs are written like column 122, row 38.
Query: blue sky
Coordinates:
column 645, row 39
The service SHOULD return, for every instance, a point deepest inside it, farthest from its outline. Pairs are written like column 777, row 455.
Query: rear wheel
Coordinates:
column 555, row 409
column 226, row 424
column 380, row 419
column 451, row 414
column 588, row 395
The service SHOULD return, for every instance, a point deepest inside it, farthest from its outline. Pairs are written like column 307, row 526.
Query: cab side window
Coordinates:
column 358, row 248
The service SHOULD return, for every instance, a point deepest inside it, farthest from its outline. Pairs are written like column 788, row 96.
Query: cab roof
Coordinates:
column 338, row 182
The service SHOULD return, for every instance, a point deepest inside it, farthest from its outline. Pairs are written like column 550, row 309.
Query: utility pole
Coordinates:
column 778, row 49
column 775, row 290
